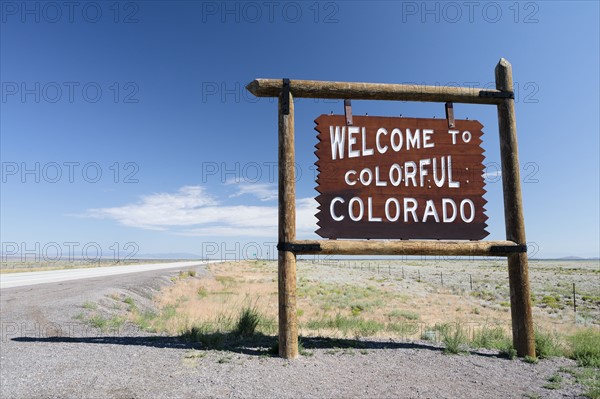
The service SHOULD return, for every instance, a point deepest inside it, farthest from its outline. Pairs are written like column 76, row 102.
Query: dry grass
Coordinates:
column 220, row 298
column 359, row 299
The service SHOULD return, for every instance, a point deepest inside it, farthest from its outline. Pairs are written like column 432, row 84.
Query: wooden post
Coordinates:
column 520, row 300
column 375, row 91
column 574, row 303
column 406, row 247
column 288, row 326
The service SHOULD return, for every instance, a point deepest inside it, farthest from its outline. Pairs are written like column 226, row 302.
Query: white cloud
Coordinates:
column 192, row 212
column 264, row 192
column 492, row 176
column 306, row 221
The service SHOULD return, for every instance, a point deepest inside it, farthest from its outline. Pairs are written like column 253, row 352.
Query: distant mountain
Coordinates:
column 170, row 255
column 570, row 258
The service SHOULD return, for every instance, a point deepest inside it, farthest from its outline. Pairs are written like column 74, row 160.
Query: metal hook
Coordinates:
column 348, row 112
column 450, row 115
column 285, row 97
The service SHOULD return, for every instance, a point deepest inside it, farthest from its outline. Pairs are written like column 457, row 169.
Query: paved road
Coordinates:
column 53, row 276
column 38, row 369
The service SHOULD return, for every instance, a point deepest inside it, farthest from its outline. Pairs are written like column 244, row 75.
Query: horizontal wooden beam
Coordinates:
column 378, row 91
column 413, row 247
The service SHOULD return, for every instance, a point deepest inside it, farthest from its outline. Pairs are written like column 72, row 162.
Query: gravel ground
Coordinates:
column 46, row 353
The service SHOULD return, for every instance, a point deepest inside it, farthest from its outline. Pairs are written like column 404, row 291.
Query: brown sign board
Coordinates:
column 400, row 178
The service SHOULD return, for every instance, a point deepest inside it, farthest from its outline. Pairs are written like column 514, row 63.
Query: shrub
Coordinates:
column 510, row 352
column 202, row 292
column 356, row 310
column 491, row 338
column 554, row 382
column 531, row 360
column 204, row 334
column 247, row 322
column 454, row 337
column 98, row 321
column 585, row 347
column 551, row 301
column 130, row 302
column 547, row 345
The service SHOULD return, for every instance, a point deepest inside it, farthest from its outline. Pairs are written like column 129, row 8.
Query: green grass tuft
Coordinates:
column 130, row 303
column 585, row 347
column 355, row 325
column 589, row 377
column 302, row 350
column 356, row 310
column 547, row 345
column 90, row 305
column 247, row 322
column 494, row 338
column 554, row 382
column 552, row 302
column 98, row 321
column 146, row 320
column 491, row 338
column 205, row 335
column 454, row 338
column 404, row 314
column 530, row 360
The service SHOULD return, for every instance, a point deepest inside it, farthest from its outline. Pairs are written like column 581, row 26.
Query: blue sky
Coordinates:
column 129, row 123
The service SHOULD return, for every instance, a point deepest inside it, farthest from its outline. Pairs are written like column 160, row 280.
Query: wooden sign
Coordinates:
column 400, row 178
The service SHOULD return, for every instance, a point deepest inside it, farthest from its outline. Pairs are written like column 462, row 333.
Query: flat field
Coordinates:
column 406, row 299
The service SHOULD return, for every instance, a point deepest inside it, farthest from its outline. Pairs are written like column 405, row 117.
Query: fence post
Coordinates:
column 574, row 303
column 518, row 273
column 288, row 325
